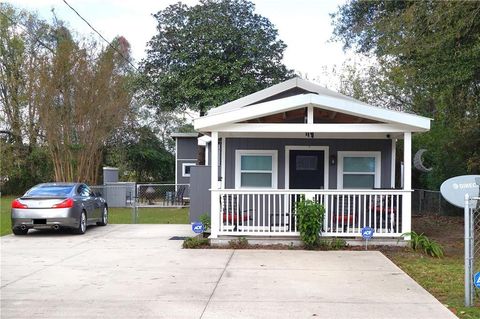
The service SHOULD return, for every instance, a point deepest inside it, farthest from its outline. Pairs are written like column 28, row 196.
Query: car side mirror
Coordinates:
column 98, row 194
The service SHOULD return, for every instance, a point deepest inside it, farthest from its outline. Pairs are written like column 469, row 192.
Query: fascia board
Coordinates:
column 253, row 111
column 314, row 128
column 375, row 113
column 255, row 97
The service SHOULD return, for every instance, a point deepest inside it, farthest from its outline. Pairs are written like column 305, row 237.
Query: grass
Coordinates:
column 442, row 277
column 150, row 216
column 116, row 215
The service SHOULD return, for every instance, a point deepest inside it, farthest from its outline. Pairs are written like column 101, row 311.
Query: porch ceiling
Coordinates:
column 324, row 114
column 319, row 116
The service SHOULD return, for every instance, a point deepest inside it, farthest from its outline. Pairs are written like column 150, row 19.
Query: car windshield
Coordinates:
column 50, row 190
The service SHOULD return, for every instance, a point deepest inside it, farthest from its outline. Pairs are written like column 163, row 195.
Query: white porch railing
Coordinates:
column 272, row 212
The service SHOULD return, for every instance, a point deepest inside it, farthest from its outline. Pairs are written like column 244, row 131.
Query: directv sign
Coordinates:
column 455, row 189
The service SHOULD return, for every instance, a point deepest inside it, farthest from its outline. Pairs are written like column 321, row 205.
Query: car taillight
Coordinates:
column 16, row 204
column 65, row 204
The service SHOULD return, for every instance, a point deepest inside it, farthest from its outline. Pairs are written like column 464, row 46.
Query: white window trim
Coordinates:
column 239, row 153
column 325, row 150
column 183, row 168
column 378, row 165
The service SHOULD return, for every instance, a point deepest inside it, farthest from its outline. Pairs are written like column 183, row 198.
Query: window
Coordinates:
column 50, row 190
column 83, row 190
column 256, row 169
column 306, row 163
column 358, row 170
column 186, row 169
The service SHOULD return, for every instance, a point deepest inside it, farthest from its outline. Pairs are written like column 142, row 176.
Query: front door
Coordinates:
column 306, row 169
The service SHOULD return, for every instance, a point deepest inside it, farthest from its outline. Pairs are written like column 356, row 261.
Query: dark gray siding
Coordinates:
column 335, row 145
column 200, row 182
column 187, row 149
column 180, row 178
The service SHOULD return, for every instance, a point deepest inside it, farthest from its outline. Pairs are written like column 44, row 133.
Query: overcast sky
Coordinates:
column 304, row 25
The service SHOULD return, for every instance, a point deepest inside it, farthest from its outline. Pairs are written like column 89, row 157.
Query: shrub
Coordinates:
column 332, row 244
column 427, row 245
column 205, row 220
column 195, row 242
column 240, row 243
column 338, row 243
column 310, row 221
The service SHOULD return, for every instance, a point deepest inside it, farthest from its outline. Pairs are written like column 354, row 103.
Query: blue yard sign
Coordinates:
column 476, row 280
column 367, row 232
column 198, row 228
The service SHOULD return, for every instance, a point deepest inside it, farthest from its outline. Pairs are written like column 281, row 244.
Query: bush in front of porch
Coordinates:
column 310, row 221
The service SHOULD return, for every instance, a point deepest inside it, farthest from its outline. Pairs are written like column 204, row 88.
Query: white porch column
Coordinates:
column 407, row 184
column 215, row 203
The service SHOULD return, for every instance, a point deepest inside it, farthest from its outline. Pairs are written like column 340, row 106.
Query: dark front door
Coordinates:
column 306, row 169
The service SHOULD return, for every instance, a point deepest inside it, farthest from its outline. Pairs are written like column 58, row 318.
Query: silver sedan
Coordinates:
column 58, row 205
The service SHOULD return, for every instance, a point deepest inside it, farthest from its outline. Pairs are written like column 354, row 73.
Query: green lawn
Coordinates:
column 117, row 215
column 444, row 277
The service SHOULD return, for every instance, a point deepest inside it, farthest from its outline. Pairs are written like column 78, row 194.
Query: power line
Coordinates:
column 101, row 36
column 29, row 32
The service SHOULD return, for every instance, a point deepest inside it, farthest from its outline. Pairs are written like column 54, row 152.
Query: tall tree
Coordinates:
column 24, row 41
column 429, row 56
column 83, row 97
column 210, row 54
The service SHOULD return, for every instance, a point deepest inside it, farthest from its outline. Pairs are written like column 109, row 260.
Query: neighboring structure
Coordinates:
column 297, row 139
column 186, row 152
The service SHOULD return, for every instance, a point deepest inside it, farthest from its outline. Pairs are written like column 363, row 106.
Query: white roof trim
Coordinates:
column 184, row 135
column 204, row 140
column 276, row 89
column 410, row 122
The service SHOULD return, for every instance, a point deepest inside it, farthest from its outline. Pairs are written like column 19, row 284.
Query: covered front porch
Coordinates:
column 296, row 140
column 240, row 209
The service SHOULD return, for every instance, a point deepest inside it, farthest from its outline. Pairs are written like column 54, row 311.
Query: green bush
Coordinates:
column 205, row 220
column 310, row 221
column 195, row 242
column 337, row 243
column 240, row 243
column 332, row 244
column 427, row 245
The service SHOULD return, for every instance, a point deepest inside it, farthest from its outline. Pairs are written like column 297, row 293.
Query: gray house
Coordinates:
column 186, row 150
column 297, row 139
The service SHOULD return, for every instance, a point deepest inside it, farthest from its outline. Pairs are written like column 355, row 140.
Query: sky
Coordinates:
column 304, row 25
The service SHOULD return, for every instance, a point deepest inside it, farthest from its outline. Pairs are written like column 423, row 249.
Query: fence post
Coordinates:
column 468, row 251
column 134, row 207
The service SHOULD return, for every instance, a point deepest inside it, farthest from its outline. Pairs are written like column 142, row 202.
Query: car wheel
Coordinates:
column 104, row 221
column 19, row 231
column 82, row 225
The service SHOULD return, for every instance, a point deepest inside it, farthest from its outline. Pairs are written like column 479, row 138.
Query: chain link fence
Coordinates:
column 129, row 199
column 163, row 195
column 428, row 202
column 476, row 246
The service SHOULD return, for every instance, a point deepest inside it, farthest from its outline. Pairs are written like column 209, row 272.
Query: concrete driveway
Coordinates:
column 135, row 271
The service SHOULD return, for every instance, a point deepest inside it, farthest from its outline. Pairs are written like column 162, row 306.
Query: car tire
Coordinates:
column 19, row 231
column 82, row 224
column 104, row 221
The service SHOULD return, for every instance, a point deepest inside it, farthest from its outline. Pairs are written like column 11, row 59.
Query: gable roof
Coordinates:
column 297, row 93
column 277, row 89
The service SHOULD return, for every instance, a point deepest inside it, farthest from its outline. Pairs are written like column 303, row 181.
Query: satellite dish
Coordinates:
column 418, row 162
